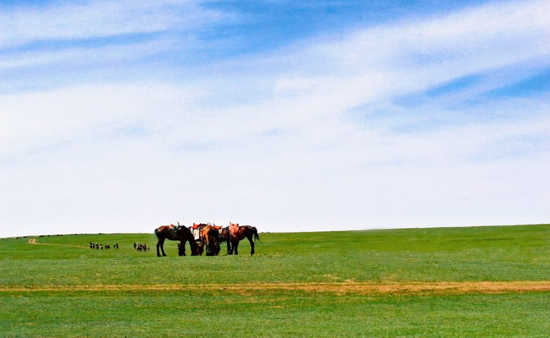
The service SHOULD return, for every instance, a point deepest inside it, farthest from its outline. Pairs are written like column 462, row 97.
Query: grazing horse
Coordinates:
column 235, row 233
column 211, row 238
column 183, row 234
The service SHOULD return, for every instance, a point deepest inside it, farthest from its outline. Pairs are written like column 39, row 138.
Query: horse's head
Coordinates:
column 195, row 249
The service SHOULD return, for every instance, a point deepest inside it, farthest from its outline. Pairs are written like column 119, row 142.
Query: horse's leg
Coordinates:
column 229, row 247
column 236, row 247
column 182, row 248
column 229, row 252
column 159, row 245
column 162, row 248
column 251, row 245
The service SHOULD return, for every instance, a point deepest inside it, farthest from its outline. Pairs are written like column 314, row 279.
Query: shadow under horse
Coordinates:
column 182, row 234
column 242, row 232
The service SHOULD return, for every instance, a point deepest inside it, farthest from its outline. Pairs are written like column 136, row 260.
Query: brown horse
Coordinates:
column 182, row 234
column 211, row 238
column 235, row 233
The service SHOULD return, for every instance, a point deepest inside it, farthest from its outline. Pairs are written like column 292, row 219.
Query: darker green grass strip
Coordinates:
column 277, row 315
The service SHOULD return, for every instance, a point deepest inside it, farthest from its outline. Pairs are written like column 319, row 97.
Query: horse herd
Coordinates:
column 206, row 236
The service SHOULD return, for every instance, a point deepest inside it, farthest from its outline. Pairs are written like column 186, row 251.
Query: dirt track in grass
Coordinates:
column 349, row 288
column 33, row 241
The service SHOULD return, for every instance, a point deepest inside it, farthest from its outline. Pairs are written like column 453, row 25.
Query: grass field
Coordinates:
column 445, row 282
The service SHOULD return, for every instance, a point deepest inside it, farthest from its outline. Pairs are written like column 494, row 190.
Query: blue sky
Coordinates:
column 317, row 115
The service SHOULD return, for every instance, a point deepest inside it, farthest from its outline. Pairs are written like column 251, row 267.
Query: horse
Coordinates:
column 235, row 233
column 211, row 240
column 183, row 234
column 210, row 237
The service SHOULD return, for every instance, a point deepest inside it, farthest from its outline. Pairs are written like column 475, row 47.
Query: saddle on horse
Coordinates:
column 233, row 228
column 196, row 230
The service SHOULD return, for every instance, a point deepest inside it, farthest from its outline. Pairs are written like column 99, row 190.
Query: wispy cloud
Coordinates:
column 98, row 19
column 98, row 39
column 79, row 56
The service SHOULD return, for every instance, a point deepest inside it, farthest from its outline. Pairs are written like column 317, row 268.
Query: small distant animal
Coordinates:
column 141, row 246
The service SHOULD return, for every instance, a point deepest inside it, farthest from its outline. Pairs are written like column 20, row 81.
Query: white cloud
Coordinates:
column 416, row 55
column 39, row 120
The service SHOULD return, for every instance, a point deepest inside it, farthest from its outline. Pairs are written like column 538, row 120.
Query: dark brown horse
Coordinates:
column 234, row 233
column 181, row 234
column 210, row 238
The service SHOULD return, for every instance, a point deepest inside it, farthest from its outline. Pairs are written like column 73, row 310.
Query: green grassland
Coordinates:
column 477, row 254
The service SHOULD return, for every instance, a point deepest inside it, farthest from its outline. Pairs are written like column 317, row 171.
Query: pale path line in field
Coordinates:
column 34, row 242
column 403, row 288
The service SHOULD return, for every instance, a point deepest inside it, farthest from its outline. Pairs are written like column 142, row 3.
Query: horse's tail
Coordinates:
column 255, row 233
